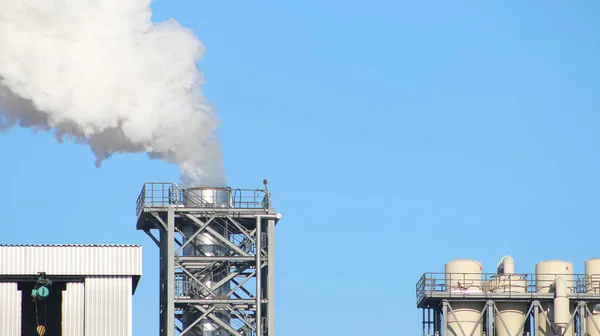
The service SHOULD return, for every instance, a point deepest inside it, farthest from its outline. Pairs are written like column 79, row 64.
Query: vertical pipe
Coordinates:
column 506, row 265
column 561, row 314
column 170, row 273
column 271, row 277
column 258, row 276
column 445, row 318
column 205, row 244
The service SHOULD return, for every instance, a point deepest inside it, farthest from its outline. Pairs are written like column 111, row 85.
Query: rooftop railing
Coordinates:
column 163, row 194
column 491, row 284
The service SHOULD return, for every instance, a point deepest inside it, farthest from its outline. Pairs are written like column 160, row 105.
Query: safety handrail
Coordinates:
column 162, row 194
column 461, row 284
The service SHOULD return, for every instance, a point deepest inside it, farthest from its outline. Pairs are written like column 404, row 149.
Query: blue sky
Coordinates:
column 396, row 136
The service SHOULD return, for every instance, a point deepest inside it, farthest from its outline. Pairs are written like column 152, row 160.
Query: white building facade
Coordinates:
column 98, row 280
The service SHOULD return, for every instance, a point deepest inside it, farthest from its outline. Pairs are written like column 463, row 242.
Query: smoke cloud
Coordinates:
column 101, row 73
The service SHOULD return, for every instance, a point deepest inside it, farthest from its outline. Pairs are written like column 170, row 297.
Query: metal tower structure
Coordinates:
column 464, row 301
column 217, row 254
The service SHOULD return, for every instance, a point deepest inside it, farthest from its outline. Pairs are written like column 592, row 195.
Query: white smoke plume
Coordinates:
column 100, row 72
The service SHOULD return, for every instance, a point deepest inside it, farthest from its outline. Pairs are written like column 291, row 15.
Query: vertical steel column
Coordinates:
column 161, row 273
column 271, row 277
column 582, row 322
column 445, row 318
column 536, row 318
column 436, row 319
column 423, row 323
column 167, row 275
column 490, row 318
column 259, row 330
column 170, row 270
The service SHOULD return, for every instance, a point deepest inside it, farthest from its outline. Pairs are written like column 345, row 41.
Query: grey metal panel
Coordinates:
column 10, row 309
column 108, row 306
column 73, row 307
column 71, row 260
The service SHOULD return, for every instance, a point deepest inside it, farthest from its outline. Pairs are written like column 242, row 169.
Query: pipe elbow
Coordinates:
column 560, row 287
column 506, row 265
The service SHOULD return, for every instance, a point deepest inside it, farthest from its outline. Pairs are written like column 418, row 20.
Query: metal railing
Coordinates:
column 180, row 285
column 491, row 284
column 162, row 194
column 186, row 287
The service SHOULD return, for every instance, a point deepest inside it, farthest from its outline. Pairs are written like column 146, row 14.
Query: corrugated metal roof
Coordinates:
column 94, row 260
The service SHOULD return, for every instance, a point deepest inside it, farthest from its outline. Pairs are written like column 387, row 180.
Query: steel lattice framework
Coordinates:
column 229, row 284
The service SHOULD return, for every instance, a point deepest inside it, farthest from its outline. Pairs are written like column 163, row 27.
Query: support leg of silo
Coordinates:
column 582, row 324
column 593, row 326
column 271, row 278
column 490, row 318
column 536, row 318
column 445, row 318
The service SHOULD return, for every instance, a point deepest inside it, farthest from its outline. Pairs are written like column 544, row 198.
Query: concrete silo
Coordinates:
column 552, row 301
column 592, row 275
column 555, row 276
column 511, row 315
column 464, row 275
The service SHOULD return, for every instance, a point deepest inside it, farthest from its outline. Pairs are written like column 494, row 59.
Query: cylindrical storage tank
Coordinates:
column 197, row 197
column 592, row 286
column 547, row 271
column 511, row 315
column 545, row 275
column 464, row 275
column 207, row 197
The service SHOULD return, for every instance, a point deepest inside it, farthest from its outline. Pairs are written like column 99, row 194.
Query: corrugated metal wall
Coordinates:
column 71, row 259
column 10, row 309
column 101, row 306
column 108, row 306
column 73, row 308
